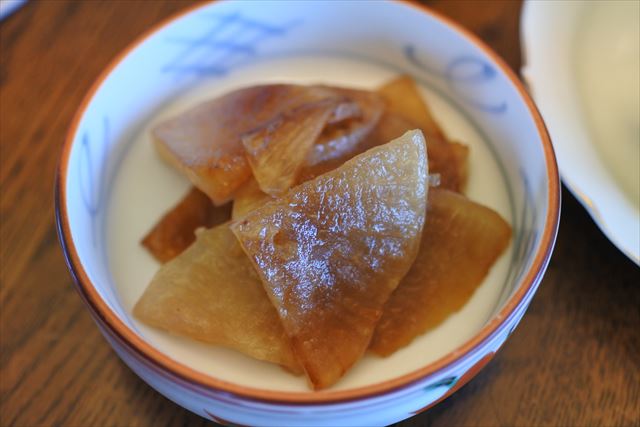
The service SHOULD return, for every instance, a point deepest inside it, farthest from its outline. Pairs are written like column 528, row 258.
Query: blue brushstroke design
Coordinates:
column 214, row 53
column 218, row 44
column 447, row 382
column 460, row 73
column 529, row 223
column 92, row 196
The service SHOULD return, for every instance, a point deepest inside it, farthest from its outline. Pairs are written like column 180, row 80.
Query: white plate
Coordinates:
column 582, row 64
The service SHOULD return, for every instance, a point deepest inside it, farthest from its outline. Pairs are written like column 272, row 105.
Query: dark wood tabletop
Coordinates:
column 574, row 360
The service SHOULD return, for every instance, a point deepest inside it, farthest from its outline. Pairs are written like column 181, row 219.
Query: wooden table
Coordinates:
column 574, row 359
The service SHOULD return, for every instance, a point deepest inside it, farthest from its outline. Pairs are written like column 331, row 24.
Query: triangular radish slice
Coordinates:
column 460, row 242
column 277, row 150
column 340, row 140
column 211, row 293
column 403, row 98
column 205, row 141
column 332, row 250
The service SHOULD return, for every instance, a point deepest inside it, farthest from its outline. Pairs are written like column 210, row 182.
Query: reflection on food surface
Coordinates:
column 333, row 243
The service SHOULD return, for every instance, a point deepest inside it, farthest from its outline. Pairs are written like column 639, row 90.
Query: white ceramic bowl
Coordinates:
column 582, row 63
column 111, row 187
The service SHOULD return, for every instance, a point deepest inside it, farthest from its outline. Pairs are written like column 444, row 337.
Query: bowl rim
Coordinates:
column 165, row 363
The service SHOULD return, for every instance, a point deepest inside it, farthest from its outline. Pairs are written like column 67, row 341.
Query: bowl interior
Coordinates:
column 116, row 187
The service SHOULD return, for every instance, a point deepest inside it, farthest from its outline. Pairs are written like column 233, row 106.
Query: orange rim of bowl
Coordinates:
column 190, row 375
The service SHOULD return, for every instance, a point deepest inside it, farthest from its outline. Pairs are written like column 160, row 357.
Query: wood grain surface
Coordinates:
column 573, row 361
